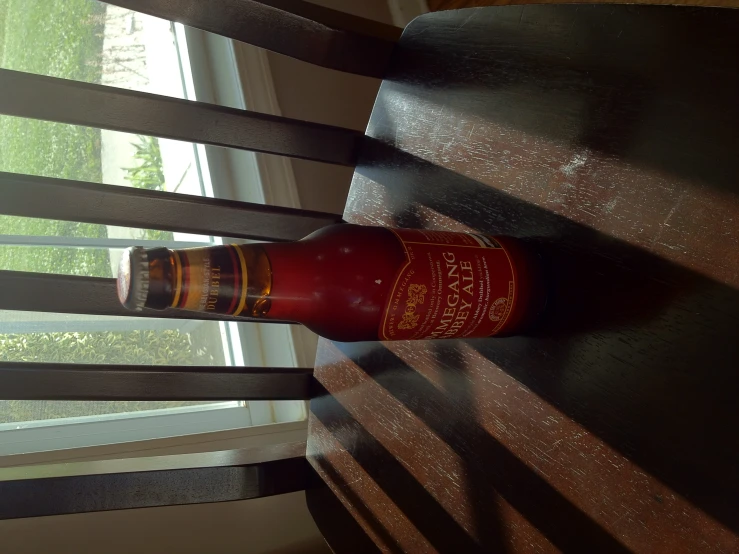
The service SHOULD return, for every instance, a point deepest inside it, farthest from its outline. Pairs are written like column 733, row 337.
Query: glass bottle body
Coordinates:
column 352, row 283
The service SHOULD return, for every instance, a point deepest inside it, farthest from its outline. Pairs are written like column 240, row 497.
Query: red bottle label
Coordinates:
column 453, row 285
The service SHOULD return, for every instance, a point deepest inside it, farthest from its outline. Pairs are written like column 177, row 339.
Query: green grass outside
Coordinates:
column 132, row 347
column 3, row 14
column 59, row 38
column 64, row 38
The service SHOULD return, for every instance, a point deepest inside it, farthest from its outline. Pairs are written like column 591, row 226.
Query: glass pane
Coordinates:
column 90, row 41
column 87, row 40
column 93, row 262
column 186, row 344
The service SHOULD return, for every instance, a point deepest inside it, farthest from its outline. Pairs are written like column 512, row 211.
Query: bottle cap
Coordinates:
column 133, row 278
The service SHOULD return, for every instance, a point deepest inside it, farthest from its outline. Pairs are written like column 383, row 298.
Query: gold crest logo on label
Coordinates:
column 416, row 295
column 498, row 309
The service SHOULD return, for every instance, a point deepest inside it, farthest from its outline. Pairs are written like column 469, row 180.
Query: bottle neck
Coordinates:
column 228, row 280
column 294, row 268
column 161, row 278
column 335, row 281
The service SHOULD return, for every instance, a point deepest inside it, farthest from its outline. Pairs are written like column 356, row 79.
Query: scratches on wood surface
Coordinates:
column 569, row 457
column 611, row 149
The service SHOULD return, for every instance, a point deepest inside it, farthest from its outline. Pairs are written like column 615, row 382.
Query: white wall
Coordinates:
column 274, row 525
column 326, row 96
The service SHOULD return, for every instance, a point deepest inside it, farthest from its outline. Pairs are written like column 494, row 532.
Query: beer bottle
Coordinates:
column 350, row 283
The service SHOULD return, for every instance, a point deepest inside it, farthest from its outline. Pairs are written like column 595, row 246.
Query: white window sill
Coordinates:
column 81, row 432
column 260, row 435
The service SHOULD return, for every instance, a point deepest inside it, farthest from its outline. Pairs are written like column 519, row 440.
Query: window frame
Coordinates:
column 234, row 74
column 94, row 431
column 245, row 437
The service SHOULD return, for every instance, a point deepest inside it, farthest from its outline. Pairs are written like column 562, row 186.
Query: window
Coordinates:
column 90, row 41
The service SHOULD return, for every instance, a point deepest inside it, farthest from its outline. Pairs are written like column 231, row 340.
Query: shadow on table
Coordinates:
column 337, row 525
column 640, row 351
column 656, row 85
column 418, row 505
column 490, row 469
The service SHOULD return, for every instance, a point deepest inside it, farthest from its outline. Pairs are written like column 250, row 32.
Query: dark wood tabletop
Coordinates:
column 607, row 137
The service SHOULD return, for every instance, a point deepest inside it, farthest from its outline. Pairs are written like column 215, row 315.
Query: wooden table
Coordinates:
column 606, row 136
